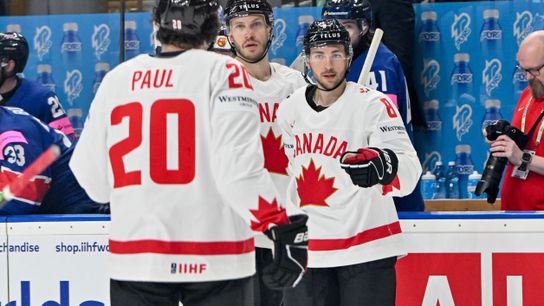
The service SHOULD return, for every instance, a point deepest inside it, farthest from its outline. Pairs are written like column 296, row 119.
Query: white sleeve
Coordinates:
column 239, row 161
column 284, row 122
column 90, row 159
column 388, row 132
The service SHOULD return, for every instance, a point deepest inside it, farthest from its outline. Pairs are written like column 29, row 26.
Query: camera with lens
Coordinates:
column 494, row 167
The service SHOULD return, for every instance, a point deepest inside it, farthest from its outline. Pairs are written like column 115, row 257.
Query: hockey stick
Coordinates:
column 378, row 33
column 15, row 188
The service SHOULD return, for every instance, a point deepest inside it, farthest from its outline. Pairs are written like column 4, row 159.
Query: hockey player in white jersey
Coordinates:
column 349, row 154
column 386, row 74
column 250, row 28
column 172, row 142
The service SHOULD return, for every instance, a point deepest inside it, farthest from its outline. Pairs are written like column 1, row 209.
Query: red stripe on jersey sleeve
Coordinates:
column 361, row 238
column 182, row 247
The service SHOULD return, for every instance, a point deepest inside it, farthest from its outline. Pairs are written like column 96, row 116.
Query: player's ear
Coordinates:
column 10, row 66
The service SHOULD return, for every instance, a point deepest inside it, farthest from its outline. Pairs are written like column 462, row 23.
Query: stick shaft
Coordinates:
column 43, row 161
column 378, row 33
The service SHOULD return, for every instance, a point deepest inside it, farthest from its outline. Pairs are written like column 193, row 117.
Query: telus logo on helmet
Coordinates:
column 329, row 35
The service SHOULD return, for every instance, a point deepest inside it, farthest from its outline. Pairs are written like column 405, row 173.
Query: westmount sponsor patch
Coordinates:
column 241, row 100
column 393, row 128
column 392, row 131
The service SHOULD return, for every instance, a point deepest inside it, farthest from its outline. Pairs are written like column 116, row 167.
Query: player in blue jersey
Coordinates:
column 29, row 95
column 24, row 138
column 386, row 74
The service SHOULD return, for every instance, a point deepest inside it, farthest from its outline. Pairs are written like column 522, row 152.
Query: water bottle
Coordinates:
column 473, row 180
column 76, row 119
column 304, row 22
column 461, row 81
column 464, row 167
column 100, row 70
column 71, row 45
column 429, row 34
column 452, row 181
column 132, row 41
column 45, row 76
column 492, row 112
column 13, row 27
column 428, row 185
column 434, row 123
column 440, row 181
column 519, row 81
column 491, row 34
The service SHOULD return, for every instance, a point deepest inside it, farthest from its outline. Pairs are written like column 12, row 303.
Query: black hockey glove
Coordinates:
column 370, row 166
column 290, row 253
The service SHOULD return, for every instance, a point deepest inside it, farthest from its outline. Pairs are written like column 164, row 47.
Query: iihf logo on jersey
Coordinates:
column 462, row 120
column 73, row 85
column 460, row 29
column 42, row 41
column 279, row 35
column 101, row 40
column 429, row 164
column 491, row 75
column 430, row 76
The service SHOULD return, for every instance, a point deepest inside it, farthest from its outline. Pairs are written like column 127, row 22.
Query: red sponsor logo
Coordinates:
column 433, row 279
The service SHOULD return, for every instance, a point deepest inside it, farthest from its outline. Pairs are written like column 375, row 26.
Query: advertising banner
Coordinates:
column 58, row 263
column 487, row 259
column 467, row 77
column 70, row 54
column 3, row 260
column 472, row 262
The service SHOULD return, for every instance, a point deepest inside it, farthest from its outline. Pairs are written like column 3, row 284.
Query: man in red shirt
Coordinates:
column 524, row 176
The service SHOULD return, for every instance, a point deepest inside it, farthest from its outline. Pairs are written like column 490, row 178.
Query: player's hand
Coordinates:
column 370, row 166
column 290, row 253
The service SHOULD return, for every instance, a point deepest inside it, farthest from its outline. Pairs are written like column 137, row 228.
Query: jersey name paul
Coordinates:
column 148, row 79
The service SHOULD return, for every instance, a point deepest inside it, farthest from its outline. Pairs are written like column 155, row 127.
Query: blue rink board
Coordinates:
column 402, row 215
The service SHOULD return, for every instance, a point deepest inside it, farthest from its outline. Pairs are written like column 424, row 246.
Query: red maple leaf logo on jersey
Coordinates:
column 389, row 187
column 313, row 187
column 268, row 213
column 275, row 160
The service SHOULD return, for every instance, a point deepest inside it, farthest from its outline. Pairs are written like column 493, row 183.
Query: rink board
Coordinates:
column 454, row 259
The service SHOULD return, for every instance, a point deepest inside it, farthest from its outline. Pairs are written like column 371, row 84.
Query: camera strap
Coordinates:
column 533, row 128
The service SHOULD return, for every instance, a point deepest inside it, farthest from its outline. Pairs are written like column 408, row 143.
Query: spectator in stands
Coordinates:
column 386, row 73
column 21, row 92
column 524, row 176
column 23, row 139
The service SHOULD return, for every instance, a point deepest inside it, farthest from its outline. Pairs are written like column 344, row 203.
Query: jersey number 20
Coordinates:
column 184, row 110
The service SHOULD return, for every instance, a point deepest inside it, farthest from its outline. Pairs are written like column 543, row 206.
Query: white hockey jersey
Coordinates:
column 282, row 82
column 347, row 224
column 173, row 145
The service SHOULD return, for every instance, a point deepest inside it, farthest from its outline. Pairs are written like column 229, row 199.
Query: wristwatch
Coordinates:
column 526, row 159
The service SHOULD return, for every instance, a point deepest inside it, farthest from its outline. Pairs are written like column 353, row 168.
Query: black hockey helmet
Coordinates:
column 325, row 32
column 184, row 16
column 241, row 8
column 359, row 10
column 13, row 46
